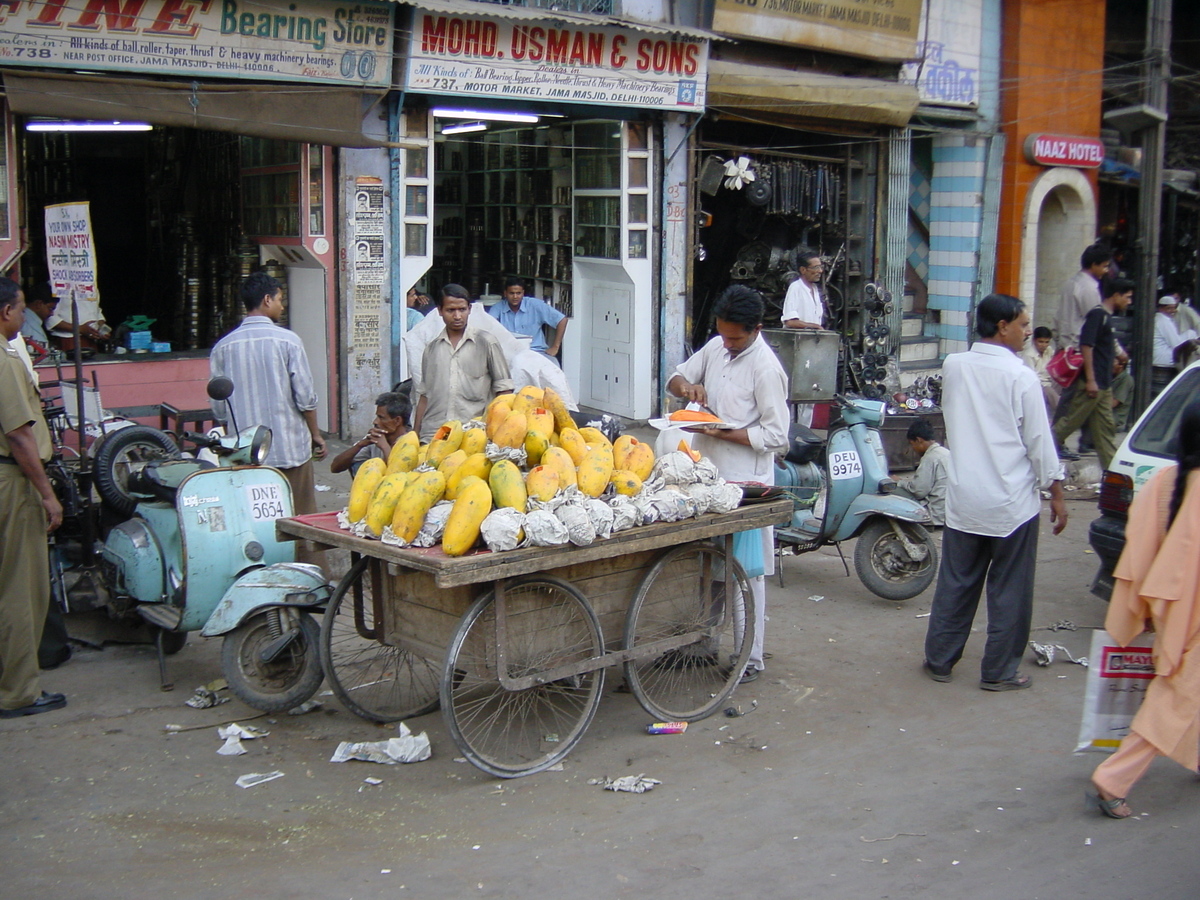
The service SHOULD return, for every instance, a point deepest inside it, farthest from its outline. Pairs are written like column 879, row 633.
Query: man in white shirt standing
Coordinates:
column 995, row 418
column 804, row 308
column 1167, row 339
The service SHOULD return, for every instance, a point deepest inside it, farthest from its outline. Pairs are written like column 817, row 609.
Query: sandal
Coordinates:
column 1017, row 683
column 1107, row 806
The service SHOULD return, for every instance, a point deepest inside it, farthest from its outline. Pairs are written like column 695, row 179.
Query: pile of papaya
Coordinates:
column 455, row 465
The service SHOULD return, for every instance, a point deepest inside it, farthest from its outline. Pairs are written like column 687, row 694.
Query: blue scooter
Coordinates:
column 840, row 488
column 200, row 554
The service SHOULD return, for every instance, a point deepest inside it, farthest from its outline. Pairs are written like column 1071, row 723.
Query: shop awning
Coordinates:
column 734, row 86
column 313, row 114
column 541, row 14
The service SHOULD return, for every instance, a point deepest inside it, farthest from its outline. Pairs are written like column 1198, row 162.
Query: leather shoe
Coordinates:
column 1068, row 455
column 44, row 703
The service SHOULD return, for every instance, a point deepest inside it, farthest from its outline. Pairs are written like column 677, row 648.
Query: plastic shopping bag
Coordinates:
column 1117, row 679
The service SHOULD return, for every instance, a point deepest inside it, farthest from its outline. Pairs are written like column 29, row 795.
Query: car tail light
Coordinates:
column 1116, row 493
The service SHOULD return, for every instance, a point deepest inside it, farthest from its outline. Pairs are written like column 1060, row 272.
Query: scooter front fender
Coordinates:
column 892, row 506
column 281, row 584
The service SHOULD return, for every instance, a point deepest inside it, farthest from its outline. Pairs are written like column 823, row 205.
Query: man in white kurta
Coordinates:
column 740, row 379
column 804, row 308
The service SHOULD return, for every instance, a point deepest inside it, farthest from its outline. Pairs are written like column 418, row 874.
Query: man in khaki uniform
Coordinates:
column 28, row 511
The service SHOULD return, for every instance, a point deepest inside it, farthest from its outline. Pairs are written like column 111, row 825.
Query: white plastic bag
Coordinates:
column 1117, row 679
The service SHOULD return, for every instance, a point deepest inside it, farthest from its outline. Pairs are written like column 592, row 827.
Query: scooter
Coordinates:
column 199, row 554
column 840, row 488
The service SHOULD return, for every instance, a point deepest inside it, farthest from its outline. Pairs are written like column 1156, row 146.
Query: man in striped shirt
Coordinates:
column 273, row 386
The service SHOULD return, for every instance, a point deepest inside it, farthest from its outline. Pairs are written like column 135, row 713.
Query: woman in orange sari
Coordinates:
column 1158, row 586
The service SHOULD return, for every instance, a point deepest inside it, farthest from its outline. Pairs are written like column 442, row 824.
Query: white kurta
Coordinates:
column 803, row 302
column 419, row 337
column 1167, row 337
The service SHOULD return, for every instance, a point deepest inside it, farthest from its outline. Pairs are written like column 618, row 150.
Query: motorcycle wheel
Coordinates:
column 285, row 682
column 121, row 453
column 884, row 566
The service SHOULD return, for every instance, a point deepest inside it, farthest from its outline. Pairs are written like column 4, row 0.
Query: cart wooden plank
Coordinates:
column 484, row 565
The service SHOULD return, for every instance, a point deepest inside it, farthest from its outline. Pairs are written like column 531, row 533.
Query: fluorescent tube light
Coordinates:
column 464, row 128
column 483, row 115
column 59, row 125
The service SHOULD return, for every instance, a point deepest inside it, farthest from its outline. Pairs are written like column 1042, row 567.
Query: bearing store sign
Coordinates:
column 302, row 40
column 480, row 57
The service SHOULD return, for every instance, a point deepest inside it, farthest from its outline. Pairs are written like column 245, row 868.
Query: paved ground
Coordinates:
column 855, row 777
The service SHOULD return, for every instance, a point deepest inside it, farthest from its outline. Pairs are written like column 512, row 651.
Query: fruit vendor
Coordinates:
column 739, row 378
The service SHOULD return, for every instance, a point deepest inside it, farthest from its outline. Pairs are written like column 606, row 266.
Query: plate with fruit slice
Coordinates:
column 690, row 418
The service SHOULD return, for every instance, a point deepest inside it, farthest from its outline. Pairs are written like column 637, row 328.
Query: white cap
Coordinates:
column 1168, row 300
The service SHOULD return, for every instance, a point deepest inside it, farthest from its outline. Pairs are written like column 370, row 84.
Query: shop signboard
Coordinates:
column 474, row 56
column 946, row 71
column 303, row 40
column 71, row 252
column 1064, row 150
column 878, row 29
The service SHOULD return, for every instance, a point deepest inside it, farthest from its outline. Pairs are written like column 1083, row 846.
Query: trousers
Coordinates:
column 1006, row 564
column 24, row 587
column 1096, row 412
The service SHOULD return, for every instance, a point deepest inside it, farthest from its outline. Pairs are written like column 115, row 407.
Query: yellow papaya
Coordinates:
column 527, row 398
column 383, row 503
column 595, row 471
column 594, row 436
column 512, row 432
column 403, row 456
column 497, row 412
column 621, row 449
column 370, row 473
column 542, row 483
column 685, row 447
column 451, row 432
column 422, row 454
column 473, row 441
column 470, row 509
column 508, row 487
column 639, row 460
column 536, row 444
column 476, row 464
column 558, row 409
column 422, row 491
column 539, row 420
column 560, row 461
column 572, row 441
column 450, row 464
column 625, row 482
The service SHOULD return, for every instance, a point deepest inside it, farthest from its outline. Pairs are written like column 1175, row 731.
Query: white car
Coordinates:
column 1148, row 447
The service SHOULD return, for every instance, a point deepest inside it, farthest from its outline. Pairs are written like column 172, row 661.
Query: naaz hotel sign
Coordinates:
column 479, row 57
column 1064, row 150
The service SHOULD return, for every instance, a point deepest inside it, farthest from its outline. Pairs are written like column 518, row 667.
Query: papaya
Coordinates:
column 422, row 491
column 536, row 443
column 403, row 457
column 558, row 409
column 685, row 447
column 693, row 415
column 621, row 449
column 625, row 482
column 512, row 432
column 572, row 441
column 445, row 441
column 473, row 441
column 595, row 471
column 527, row 398
column 450, row 464
column 497, row 412
column 370, row 473
column 470, row 509
column 539, row 420
column 560, row 461
column 476, row 464
column 383, row 503
column 639, row 460
column 542, row 483
column 507, row 485
column 594, row 436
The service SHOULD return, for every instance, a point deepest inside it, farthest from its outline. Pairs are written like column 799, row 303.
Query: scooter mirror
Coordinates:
column 220, row 388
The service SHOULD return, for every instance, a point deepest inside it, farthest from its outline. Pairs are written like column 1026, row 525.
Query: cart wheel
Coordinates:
column 684, row 594
column 511, row 733
column 374, row 681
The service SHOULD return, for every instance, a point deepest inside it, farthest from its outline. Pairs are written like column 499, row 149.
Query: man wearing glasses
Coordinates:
column 803, row 306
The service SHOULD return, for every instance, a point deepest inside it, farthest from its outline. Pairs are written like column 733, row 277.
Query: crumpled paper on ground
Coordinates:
column 233, row 734
column 634, row 784
column 252, row 778
column 206, row 696
column 1045, row 654
column 503, row 528
column 407, row 748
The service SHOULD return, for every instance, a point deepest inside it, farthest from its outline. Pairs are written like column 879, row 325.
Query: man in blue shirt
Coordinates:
column 526, row 315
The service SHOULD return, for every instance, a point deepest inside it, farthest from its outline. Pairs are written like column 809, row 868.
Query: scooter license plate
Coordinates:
column 844, row 464
column 266, row 501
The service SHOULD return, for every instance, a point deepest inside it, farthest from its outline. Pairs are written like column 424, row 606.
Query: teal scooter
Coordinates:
column 200, row 554
column 840, row 488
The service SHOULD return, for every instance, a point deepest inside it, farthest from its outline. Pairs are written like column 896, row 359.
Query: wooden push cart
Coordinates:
column 515, row 645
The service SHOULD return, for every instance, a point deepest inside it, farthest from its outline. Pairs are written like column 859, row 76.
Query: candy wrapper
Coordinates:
column 503, row 529
column 543, row 529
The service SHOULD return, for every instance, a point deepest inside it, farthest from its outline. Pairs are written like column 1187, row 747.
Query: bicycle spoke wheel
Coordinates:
column 378, row 682
column 684, row 594
column 509, row 733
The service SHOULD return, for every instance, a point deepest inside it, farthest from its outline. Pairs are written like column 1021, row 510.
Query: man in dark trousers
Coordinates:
column 1003, row 457
column 28, row 511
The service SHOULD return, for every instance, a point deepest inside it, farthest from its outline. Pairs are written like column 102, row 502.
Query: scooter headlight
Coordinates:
column 260, row 445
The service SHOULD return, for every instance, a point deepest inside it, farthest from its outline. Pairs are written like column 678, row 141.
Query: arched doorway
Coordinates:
column 1060, row 221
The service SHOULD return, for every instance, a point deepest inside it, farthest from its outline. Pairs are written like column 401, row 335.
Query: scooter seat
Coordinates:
column 804, row 444
column 159, row 480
